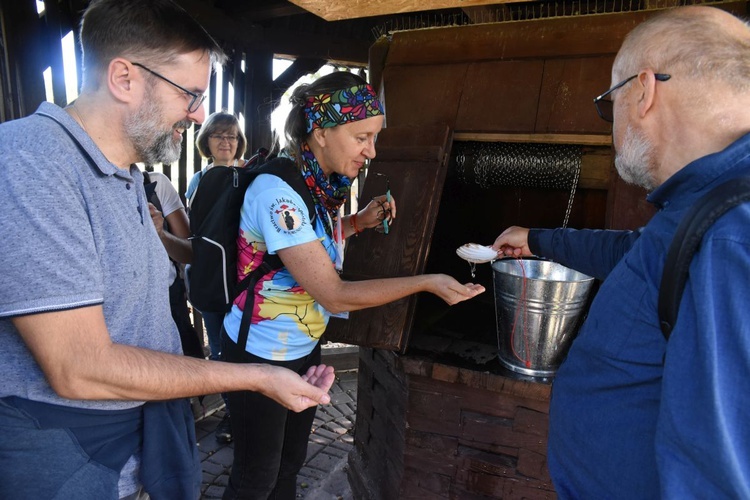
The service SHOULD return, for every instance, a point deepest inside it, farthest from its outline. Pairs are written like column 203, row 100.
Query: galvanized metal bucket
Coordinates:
column 539, row 305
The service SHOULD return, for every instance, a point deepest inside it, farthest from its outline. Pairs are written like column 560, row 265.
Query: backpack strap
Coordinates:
column 258, row 158
column 288, row 171
column 266, row 266
column 698, row 219
column 150, row 188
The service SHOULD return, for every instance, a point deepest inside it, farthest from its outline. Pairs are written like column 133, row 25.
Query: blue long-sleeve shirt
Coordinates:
column 594, row 251
column 631, row 415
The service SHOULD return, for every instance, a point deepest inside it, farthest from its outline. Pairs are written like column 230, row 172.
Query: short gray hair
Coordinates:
column 696, row 44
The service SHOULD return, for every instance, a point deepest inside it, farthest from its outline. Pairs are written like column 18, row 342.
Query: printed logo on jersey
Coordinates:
column 286, row 216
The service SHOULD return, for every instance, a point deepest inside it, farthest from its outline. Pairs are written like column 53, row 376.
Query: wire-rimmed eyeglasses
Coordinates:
column 195, row 99
column 384, row 215
column 221, row 138
column 605, row 107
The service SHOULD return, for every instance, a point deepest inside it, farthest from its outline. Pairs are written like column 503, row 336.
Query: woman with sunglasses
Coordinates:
column 221, row 140
column 330, row 132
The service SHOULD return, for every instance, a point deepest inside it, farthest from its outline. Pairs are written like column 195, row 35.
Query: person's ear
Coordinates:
column 647, row 87
column 121, row 78
column 319, row 136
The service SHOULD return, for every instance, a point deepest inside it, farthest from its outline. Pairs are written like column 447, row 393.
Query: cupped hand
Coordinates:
column 513, row 242
column 453, row 292
column 321, row 376
column 298, row 393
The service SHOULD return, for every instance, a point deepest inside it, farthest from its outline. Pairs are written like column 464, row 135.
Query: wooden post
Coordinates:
column 258, row 100
column 23, row 86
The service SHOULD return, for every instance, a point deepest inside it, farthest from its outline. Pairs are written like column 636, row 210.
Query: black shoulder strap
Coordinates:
column 287, row 170
column 151, row 195
column 686, row 241
column 290, row 173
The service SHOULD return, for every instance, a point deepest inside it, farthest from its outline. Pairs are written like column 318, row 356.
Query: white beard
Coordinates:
column 634, row 160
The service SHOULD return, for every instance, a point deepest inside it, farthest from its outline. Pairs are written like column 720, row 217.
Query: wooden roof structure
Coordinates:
column 252, row 32
column 310, row 32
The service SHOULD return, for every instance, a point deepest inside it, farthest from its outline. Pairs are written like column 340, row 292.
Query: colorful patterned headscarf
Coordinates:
column 342, row 106
column 328, row 192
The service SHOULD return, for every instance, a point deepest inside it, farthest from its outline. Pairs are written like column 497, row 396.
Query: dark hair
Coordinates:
column 148, row 31
column 220, row 121
column 295, row 128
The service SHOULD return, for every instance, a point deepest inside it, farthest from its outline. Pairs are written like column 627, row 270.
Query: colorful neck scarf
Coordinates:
column 342, row 106
column 328, row 192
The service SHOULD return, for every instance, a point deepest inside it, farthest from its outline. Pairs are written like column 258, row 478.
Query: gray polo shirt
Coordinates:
column 74, row 232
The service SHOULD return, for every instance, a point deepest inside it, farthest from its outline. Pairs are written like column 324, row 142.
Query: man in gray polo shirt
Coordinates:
column 86, row 335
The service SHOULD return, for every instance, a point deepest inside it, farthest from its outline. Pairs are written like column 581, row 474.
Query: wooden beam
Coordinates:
column 582, row 139
column 262, row 13
column 337, row 49
column 241, row 32
column 258, row 105
column 337, row 10
column 221, row 26
column 573, row 36
column 25, row 53
column 299, row 68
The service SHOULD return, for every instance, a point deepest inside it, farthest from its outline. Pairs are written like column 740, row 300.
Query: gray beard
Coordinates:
column 143, row 129
column 633, row 159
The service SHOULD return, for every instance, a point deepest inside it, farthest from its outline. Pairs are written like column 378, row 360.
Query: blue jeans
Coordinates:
column 59, row 452
column 41, row 461
column 213, row 322
column 270, row 442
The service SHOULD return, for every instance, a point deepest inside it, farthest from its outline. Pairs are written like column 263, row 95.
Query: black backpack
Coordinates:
column 686, row 242
column 215, row 223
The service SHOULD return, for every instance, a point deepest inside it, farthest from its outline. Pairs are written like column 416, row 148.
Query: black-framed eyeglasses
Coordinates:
column 605, row 107
column 195, row 99
column 384, row 215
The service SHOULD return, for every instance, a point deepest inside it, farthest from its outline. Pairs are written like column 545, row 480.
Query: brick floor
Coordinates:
column 324, row 474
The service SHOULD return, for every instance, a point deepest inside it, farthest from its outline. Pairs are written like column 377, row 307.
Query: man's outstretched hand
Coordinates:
column 298, row 393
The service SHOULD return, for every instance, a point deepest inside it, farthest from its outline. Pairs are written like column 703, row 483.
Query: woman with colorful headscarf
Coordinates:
column 331, row 134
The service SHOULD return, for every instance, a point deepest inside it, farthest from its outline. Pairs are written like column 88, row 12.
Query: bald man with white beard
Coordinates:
column 632, row 415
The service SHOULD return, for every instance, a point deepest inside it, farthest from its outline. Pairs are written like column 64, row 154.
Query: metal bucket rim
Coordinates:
column 583, row 277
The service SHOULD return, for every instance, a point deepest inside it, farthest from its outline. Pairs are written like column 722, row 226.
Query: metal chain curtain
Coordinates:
column 509, row 164
column 490, row 164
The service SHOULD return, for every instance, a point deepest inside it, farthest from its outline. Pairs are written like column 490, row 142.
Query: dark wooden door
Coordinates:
column 414, row 159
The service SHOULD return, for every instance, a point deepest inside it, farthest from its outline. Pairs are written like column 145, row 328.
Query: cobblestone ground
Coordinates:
column 324, row 473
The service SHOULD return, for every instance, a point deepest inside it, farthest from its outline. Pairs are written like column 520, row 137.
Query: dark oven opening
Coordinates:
column 475, row 210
